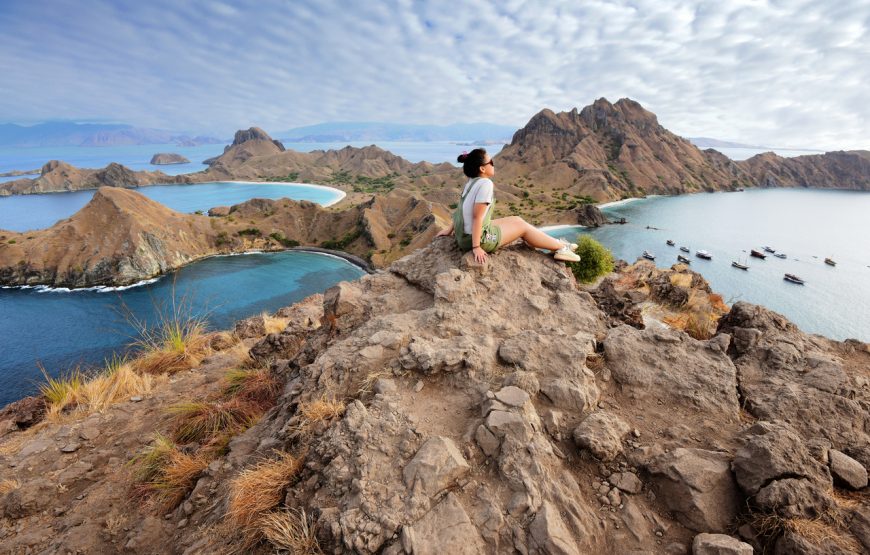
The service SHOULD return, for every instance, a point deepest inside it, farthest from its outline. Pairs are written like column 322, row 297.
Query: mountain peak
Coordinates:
column 255, row 134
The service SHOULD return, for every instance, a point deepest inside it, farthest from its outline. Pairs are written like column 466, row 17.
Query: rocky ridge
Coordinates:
column 500, row 409
column 163, row 158
column 122, row 237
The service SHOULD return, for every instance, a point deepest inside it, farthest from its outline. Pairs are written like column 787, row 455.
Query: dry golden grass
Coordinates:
column 290, row 530
column 257, row 490
column 8, row 485
column 13, row 443
column 697, row 325
column 222, row 340
column 594, row 361
column 820, row 533
column 273, row 323
column 174, row 345
column 321, row 409
column 164, row 474
column 204, row 421
column 717, row 303
column 258, row 387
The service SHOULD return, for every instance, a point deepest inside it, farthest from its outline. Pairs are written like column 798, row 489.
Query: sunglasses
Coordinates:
column 490, row 163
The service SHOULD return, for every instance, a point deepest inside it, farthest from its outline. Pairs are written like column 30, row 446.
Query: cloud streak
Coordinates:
column 778, row 73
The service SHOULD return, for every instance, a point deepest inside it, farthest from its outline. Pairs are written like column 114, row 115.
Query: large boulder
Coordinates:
column 719, row 544
column 698, row 486
column 602, row 434
column 847, row 470
column 444, row 529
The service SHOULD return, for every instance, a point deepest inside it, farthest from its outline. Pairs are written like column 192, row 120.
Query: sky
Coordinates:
column 776, row 73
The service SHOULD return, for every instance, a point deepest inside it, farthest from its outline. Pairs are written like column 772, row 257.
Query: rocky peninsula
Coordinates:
column 438, row 406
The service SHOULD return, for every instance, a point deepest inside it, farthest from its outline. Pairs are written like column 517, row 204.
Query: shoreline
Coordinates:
column 560, row 226
column 347, row 257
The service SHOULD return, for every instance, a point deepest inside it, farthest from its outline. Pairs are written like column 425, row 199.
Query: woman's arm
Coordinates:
column 479, row 211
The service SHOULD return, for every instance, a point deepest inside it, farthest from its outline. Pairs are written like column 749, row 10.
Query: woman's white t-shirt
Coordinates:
column 481, row 191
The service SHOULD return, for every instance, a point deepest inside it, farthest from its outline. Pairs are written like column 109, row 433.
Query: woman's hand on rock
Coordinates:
column 479, row 255
column 444, row 232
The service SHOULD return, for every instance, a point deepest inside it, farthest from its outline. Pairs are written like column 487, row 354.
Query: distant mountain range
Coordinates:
column 707, row 142
column 92, row 134
column 375, row 131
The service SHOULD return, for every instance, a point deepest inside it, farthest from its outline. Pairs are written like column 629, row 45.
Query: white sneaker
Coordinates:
column 565, row 254
column 572, row 246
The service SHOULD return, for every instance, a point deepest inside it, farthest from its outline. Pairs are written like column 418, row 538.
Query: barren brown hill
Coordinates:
column 122, row 237
column 840, row 170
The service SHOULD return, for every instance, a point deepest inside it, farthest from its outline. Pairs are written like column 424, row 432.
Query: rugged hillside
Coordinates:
column 57, row 176
column 441, row 407
column 122, row 237
column 842, row 170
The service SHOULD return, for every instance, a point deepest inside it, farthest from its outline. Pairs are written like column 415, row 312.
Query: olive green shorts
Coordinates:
column 490, row 238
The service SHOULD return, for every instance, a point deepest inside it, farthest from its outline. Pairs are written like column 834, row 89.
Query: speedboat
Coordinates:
column 793, row 278
column 780, row 255
column 704, row 254
column 648, row 255
column 684, row 249
column 770, row 250
column 757, row 254
column 739, row 265
column 830, row 262
column 670, row 243
column 683, row 259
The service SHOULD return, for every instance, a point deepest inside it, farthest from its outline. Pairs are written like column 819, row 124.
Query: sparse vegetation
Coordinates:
column 222, row 239
column 164, row 474
column 595, row 260
column 283, row 240
column 203, row 422
column 341, row 244
column 257, row 490
column 250, row 231
column 290, row 530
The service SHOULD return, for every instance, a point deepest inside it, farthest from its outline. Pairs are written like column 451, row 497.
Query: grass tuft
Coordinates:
column 273, row 323
column 257, row 490
column 321, row 409
column 291, row 531
column 61, row 392
column 203, row 421
column 258, row 387
column 8, row 485
column 164, row 474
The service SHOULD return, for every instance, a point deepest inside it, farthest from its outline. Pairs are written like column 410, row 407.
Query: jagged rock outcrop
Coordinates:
column 164, row 158
column 839, row 170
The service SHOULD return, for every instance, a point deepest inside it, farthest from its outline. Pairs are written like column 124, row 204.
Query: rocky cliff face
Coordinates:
column 494, row 409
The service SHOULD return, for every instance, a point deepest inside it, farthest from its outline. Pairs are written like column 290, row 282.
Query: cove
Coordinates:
column 807, row 225
column 60, row 330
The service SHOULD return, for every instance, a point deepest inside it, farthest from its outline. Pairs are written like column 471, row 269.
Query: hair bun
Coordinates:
column 462, row 157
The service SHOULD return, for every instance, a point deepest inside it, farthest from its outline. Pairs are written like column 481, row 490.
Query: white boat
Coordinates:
column 779, row 255
column 648, row 255
column 704, row 254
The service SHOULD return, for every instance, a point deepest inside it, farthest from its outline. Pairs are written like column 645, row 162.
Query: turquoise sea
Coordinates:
column 59, row 330
column 807, row 225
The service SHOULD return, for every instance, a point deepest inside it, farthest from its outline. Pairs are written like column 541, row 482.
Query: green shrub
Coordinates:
column 595, row 260
column 285, row 242
column 252, row 231
column 222, row 239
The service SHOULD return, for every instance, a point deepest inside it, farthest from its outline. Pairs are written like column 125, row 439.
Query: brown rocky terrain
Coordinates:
column 121, row 237
column 467, row 409
column 56, row 177
column 844, row 169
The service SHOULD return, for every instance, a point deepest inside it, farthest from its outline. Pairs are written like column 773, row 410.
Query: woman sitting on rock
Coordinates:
column 472, row 224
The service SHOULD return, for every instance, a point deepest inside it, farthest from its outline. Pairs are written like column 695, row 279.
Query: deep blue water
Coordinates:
column 26, row 212
column 807, row 225
column 59, row 330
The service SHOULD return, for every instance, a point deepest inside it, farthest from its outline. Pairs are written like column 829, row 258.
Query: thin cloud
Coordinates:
column 775, row 73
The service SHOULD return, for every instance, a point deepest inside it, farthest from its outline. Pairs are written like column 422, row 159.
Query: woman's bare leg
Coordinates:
column 514, row 227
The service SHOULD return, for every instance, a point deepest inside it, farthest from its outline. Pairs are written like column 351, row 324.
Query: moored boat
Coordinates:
column 793, row 278
column 683, row 259
column 648, row 255
column 830, row 262
column 670, row 243
column 780, row 255
column 739, row 265
column 704, row 254
column 770, row 250
column 757, row 254
column 684, row 249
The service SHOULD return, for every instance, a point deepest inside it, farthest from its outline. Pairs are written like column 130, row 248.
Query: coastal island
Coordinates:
column 166, row 158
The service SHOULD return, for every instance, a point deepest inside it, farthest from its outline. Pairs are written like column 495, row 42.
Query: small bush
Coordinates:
column 291, row 531
column 252, row 231
column 259, row 388
column 204, row 421
column 283, row 240
column 595, row 260
column 222, row 239
column 12, row 241
column 165, row 474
